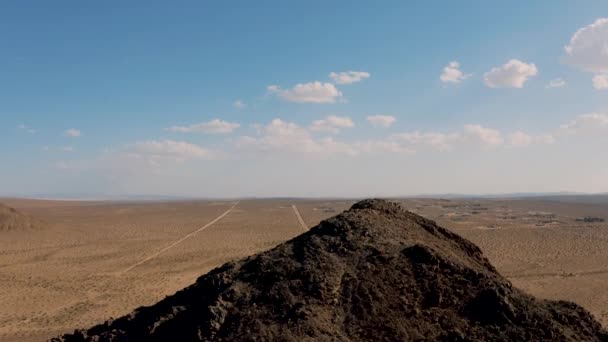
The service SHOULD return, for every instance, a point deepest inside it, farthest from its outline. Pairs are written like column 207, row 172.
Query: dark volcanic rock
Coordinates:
column 375, row 272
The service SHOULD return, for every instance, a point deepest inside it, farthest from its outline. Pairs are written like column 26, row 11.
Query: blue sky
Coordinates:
column 201, row 98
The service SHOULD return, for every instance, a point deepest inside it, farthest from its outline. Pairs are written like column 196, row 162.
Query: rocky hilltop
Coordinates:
column 12, row 220
column 375, row 272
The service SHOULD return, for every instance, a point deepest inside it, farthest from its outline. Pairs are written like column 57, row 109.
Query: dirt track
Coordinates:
column 177, row 242
column 299, row 217
column 373, row 273
column 65, row 275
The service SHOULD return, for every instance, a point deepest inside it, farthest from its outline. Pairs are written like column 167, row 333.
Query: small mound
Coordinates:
column 375, row 272
column 12, row 220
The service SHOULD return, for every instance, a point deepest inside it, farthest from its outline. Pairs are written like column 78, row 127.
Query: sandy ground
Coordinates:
column 538, row 245
column 96, row 260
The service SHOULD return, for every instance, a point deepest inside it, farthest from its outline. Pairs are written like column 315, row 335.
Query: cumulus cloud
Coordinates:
column 73, row 133
column 588, row 51
column 486, row 136
column 178, row 150
column 384, row 146
column 556, row 83
column 332, row 124
column 435, row 140
column 600, row 81
column 546, row 139
column 141, row 158
column 452, row 74
column 586, row 123
column 381, row 120
column 588, row 47
column 289, row 137
column 215, row 126
column 313, row 92
column 512, row 74
column 521, row 139
column 476, row 134
column 348, row 77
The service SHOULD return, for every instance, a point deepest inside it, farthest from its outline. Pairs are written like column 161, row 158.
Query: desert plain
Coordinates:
column 83, row 262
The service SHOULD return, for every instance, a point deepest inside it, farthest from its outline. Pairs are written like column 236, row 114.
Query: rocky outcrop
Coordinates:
column 375, row 272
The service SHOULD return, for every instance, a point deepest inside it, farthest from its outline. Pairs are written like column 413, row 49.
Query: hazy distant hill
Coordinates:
column 11, row 219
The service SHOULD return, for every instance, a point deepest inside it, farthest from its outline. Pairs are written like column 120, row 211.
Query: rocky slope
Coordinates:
column 11, row 220
column 375, row 272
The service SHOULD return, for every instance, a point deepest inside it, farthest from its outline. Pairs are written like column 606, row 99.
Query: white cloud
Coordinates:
column 521, row 139
column 384, row 146
column 452, row 74
column 215, row 126
column 546, row 139
column 588, row 48
column 486, row 136
column 348, row 77
column 289, row 137
column 278, row 127
column 381, row 120
column 586, row 123
column 332, row 124
column 26, row 129
column 313, row 92
column 477, row 134
column 74, row 133
column 239, row 104
column 600, row 81
column 435, row 140
column 141, row 159
column 178, row 150
column 512, row 74
column 556, row 83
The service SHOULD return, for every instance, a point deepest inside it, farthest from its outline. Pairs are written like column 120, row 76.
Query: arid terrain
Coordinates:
column 83, row 262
